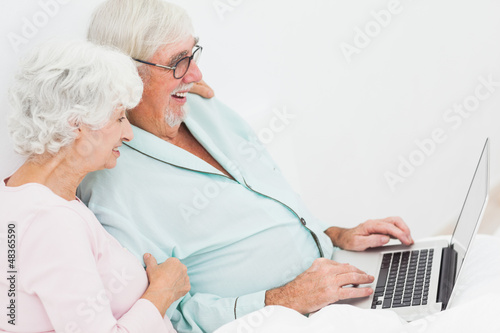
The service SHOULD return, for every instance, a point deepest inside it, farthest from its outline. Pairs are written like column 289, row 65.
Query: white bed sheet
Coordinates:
column 475, row 309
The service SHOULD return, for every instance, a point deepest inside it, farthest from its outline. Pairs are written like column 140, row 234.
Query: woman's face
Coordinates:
column 99, row 148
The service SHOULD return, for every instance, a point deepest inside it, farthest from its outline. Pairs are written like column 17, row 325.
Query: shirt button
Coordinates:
column 303, row 221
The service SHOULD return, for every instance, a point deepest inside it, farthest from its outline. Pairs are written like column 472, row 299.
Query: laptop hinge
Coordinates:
column 447, row 275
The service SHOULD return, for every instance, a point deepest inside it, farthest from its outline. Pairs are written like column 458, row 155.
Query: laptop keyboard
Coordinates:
column 403, row 279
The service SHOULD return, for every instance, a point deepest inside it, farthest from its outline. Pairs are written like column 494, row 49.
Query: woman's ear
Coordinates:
column 78, row 133
column 77, row 127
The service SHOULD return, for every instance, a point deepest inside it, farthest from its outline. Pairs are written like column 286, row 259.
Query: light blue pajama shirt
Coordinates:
column 238, row 238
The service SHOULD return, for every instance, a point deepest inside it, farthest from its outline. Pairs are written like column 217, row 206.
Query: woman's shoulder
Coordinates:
column 35, row 207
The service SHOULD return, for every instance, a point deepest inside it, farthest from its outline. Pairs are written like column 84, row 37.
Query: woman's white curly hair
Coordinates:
column 62, row 85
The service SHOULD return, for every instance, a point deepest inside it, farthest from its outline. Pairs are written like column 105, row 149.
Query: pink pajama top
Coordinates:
column 64, row 272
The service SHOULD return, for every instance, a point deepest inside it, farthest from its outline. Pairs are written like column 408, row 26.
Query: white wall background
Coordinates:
column 351, row 118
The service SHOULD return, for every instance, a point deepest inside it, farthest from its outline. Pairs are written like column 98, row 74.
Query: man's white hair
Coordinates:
column 139, row 27
column 62, row 85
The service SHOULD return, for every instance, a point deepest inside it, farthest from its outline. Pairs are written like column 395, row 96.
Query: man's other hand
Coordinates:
column 371, row 233
column 202, row 89
column 324, row 283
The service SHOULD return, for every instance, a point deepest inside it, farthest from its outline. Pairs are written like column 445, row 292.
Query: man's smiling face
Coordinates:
column 164, row 96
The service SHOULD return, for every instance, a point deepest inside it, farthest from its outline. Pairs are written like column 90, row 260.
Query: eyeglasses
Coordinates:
column 182, row 66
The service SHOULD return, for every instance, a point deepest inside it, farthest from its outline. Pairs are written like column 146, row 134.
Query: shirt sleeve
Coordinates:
column 323, row 226
column 58, row 264
column 205, row 312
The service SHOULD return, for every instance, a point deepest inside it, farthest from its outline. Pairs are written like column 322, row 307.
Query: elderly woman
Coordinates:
column 67, row 273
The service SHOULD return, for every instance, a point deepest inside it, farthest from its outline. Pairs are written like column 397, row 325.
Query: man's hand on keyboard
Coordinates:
column 371, row 233
column 320, row 285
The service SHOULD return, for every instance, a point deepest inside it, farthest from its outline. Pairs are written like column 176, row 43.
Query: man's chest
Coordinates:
column 189, row 143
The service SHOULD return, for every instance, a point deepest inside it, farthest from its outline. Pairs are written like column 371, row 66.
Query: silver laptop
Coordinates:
column 418, row 280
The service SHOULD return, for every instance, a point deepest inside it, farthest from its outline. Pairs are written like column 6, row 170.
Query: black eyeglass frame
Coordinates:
column 191, row 57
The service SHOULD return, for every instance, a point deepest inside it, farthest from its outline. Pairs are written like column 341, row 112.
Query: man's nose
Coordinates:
column 193, row 74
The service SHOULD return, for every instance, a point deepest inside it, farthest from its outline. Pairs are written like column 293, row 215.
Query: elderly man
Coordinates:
column 199, row 186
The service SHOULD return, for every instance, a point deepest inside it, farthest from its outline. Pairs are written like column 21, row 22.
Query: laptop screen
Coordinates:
column 472, row 209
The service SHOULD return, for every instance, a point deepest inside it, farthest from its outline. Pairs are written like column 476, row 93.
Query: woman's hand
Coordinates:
column 202, row 89
column 168, row 282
